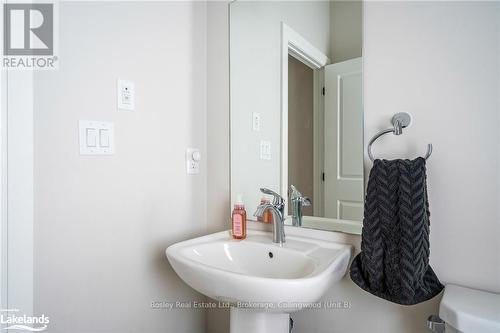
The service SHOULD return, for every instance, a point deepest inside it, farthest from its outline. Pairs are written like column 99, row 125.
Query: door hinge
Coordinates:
column 323, row 91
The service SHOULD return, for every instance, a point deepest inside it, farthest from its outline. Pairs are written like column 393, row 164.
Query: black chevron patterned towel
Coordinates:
column 394, row 259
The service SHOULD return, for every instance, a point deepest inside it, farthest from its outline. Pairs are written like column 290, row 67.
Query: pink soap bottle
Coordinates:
column 239, row 220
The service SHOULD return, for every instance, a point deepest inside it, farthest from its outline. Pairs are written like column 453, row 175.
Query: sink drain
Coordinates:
column 271, row 254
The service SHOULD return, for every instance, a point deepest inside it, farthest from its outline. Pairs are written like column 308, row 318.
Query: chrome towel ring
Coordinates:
column 399, row 121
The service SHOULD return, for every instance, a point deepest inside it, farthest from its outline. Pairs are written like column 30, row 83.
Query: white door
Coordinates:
column 343, row 168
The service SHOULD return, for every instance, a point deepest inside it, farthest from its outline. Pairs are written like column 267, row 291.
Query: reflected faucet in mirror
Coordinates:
column 298, row 201
column 277, row 209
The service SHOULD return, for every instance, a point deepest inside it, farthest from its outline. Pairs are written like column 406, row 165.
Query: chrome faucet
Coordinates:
column 277, row 208
column 298, row 201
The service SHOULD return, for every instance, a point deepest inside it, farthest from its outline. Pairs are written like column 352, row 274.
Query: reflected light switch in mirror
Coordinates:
column 307, row 111
column 255, row 121
column 265, row 150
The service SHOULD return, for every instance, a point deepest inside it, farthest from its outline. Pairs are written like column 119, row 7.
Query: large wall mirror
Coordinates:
column 297, row 109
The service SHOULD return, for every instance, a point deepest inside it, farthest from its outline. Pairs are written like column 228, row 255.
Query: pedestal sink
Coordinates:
column 262, row 281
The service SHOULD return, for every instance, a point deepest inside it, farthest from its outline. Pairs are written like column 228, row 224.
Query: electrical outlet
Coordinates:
column 126, row 95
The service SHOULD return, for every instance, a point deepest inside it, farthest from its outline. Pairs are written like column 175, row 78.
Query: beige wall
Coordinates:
column 102, row 223
column 301, row 130
column 346, row 30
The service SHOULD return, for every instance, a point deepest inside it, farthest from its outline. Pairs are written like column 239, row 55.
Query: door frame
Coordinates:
column 4, row 259
column 292, row 43
column 3, row 191
column 17, row 190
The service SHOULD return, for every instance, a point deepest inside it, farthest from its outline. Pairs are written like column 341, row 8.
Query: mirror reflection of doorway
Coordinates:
column 325, row 141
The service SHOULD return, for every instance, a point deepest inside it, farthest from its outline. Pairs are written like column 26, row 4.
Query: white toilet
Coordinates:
column 467, row 310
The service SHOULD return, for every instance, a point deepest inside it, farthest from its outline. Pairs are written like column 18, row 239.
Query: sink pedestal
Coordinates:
column 251, row 321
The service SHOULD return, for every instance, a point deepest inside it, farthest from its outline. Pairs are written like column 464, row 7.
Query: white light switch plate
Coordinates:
column 265, row 150
column 255, row 121
column 193, row 158
column 126, row 95
column 96, row 137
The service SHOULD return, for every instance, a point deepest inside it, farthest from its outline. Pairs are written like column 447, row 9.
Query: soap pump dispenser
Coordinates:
column 239, row 219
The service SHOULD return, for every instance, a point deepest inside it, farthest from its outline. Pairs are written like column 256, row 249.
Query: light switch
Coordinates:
column 126, row 95
column 96, row 137
column 104, row 138
column 91, row 137
column 265, row 150
column 256, row 121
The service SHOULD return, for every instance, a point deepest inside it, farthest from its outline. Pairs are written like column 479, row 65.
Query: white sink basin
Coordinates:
column 257, row 271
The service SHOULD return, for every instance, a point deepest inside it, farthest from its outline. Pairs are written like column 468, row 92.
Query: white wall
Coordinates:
column 255, row 85
column 218, row 164
column 444, row 70
column 498, row 156
column 102, row 223
column 439, row 61
column 18, row 176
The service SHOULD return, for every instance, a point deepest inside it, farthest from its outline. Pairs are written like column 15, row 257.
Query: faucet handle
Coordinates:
column 306, row 201
column 277, row 199
column 295, row 195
